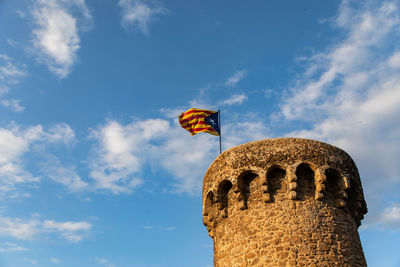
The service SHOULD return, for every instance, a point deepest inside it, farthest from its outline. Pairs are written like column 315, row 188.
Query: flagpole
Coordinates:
column 220, row 131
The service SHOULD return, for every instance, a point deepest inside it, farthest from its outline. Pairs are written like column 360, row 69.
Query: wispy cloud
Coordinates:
column 12, row 104
column 159, row 228
column 55, row 260
column 72, row 231
column 119, row 154
column 234, row 99
column 18, row 228
column 29, row 229
column 236, row 77
column 56, row 36
column 390, row 217
column 105, row 262
column 31, row 261
column 16, row 143
column 11, row 73
column 124, row 150
column 11, row 247
column 65, row 175
column 20, row 14
column 140, row 13
column 350, row 94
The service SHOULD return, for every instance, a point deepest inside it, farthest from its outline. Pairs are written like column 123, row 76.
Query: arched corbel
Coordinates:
column 320, row 182
column 344, row 187
column 292, row 179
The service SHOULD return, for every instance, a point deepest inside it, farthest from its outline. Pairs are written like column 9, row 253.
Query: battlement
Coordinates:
column 283, row 177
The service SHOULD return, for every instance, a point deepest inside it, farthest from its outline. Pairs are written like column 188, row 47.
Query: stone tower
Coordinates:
column 284, row 202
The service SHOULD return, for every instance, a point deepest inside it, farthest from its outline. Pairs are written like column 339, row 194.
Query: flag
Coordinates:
column 200, row 120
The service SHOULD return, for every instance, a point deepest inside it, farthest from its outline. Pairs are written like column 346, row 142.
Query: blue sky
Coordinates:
column 94, row 167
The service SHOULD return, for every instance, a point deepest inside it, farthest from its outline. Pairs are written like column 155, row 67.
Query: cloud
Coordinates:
column 349, row 95
column 29, row 229
column 17, row 143
column 12, row 104
column 140, row 13
column 72, row 231
column 120, row 153
column 56, row 171
column 56, row 38
column 236, row 77
column 55, row 260
column 342, row 70
column 11, row 73
column 123, row 151
column 20, row 13
column 234, row 99
column 105, row 262
column 159, row 228
column 33, row 262
column 19, row 229
column 390, row 217
column 11, row 247
column 60, row 133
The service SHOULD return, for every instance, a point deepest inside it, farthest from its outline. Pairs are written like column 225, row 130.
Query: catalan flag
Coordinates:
column 200, row 120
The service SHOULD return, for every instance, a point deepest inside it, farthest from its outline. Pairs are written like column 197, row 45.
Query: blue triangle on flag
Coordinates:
column 213, row 121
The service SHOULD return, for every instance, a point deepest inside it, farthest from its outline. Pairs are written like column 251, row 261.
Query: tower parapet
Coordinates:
column 284, row 202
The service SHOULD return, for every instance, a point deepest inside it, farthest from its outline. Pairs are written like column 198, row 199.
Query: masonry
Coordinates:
column 284, row 202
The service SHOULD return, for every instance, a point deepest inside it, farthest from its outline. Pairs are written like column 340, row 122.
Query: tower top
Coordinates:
column 260, row 157
column 284, row 202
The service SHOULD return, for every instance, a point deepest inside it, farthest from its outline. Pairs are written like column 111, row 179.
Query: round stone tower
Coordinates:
column 284, row 202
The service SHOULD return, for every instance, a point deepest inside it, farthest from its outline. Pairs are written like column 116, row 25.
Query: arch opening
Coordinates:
column 305, row 181
column 222, row 194
column 247, row 186
column 277, row 185
column 333, row 184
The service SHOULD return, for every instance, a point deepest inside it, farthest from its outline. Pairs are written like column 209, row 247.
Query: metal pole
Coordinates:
column 220, row 131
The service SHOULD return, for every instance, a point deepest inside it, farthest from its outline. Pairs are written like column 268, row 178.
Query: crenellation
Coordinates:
column 284, row 202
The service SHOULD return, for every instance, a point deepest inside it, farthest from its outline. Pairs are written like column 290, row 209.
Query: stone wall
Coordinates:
column 284, row 202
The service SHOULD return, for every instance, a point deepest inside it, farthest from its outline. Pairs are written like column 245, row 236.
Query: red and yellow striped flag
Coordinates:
column 194, row 120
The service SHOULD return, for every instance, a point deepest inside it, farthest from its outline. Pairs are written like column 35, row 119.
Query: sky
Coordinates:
column 94, row 167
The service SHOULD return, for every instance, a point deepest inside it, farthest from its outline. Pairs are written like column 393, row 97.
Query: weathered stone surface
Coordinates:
column 284, row 202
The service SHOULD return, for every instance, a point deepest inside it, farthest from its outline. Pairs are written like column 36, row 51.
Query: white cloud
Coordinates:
column 346, row 67
column 105, row 262
column 123, row 151
column 390, row 217
column 10, row 73
column 120, row 153
column 16, row 143
column 140, row 13
column 55, row 260
column 60, row 132
column 394, row 61
column 234, row 99
column 12, row 104
column 349, row 95
column 30, row 229
column 236, row 77
column 159, row 228
column 72, row 231
column 19, row 229
column 20, row 13
column 56, row 36
column 11, row 247
column 33, row 262
column 55, row 170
